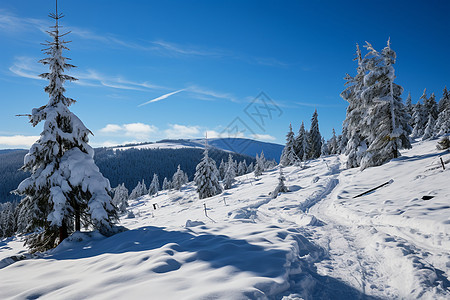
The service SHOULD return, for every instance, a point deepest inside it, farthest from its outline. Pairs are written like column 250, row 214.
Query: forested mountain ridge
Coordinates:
column 141, row 161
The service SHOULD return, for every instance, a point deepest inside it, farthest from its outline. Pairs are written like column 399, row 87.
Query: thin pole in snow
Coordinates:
column 204, row 205
column 442, row 162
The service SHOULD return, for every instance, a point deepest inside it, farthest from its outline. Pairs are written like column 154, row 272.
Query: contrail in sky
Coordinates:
column 161, row 97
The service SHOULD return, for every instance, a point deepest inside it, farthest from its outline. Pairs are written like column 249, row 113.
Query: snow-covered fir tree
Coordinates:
column 354, row 143
column 314, row 138
column 230, row 174
column 179, row 179
column 138, row 191
column 250, row 168
column 419, row 120
column 154, row 186
column 333, row 147
column 408, row 104
column 300, row 142
column 144, row 190
column 242, row 168
column 120, row 198
column 65, row 188
column 259, row 166
column 288, row 156
column 281, row 187
column 222, row 169
column 324, row 150
column 428, row 133
column 444, row 102
column 166, row 184
column 8, row 219
column 387, row 120
column 206, row 177
column 430, row 105
column 443, row 121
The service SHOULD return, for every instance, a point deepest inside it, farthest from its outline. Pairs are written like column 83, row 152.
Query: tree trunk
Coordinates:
column 77, row 218
column 63, row 232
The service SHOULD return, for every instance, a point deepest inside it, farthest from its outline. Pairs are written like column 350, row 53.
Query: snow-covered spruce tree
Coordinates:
column 419, row 120
column 324, row 150
column 178, row 179
column 222, row 169
column 300, row 142
column 444, row 102
column 206, row 177
column 430, row 105
column 314, row 138
column 281, row 187
column 166, row 184
column 408, row 105
column 428, row 133
column 65, row 186
column 443, row 121
column 138, row 191
column 333, row 147
column 144, row 190
column 154, row 186
column 387, row 119
column 8, row 219
column 250, row 168
column 120, row 198
column 242, row 168
column 354, row 143
column 259, row 166
column 288, row 156
column 230, row 174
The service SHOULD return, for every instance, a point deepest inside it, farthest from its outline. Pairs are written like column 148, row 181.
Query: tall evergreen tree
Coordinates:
column 259, row 166
column 137, row 192
column 242, row 168
column 443, row 121
column 300, row 142
column 166, row 184
column 206, row 177
column 120, row 198
column 429, row 130
column 324, row 150
column 333, row 147
column 178, row 179
column 354, row 142
column 444, row 102
column 65, row 188
column 314, row 138
column 408, row 105
column 154, row 186
column 230, row 174
column 222, row 169
column 387, row 119
column 419, row 120
column 288, row 156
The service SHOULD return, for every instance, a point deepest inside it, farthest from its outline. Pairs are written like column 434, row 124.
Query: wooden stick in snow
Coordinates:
column 375, row 188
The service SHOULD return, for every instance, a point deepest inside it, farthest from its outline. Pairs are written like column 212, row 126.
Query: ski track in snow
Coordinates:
column 314, row 242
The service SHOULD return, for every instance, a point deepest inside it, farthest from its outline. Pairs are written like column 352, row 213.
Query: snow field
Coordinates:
column 315, row 241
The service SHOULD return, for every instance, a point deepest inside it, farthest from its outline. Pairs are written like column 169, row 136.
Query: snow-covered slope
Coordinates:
column 313, row 242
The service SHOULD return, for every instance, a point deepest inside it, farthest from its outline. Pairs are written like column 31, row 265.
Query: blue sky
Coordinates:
column 206, row 61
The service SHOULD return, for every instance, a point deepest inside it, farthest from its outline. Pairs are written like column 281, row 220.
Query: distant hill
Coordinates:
column 133, row 162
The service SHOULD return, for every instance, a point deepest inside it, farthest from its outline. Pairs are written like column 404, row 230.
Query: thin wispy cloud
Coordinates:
column 210, row 94
column 28, row 67
column 12, row 23
column 165, row 96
